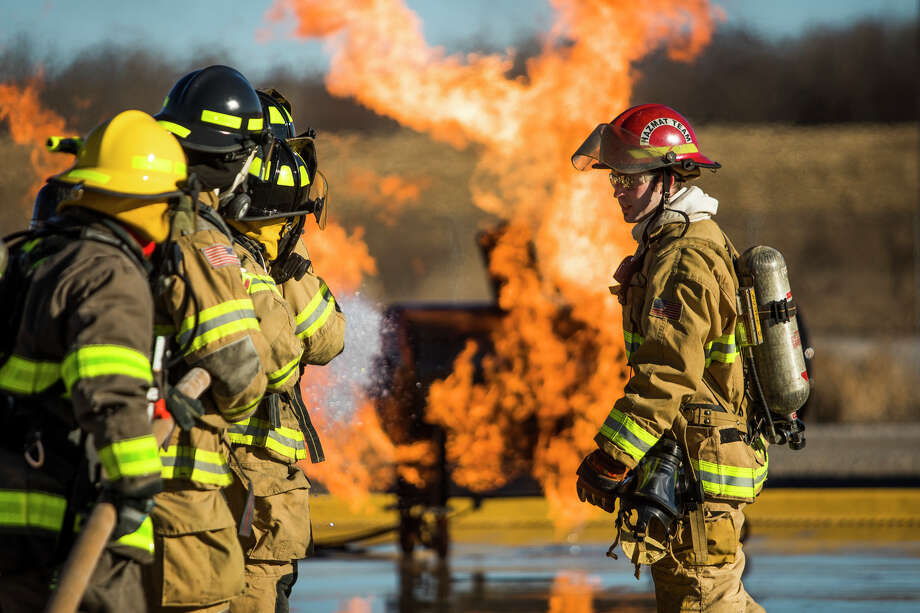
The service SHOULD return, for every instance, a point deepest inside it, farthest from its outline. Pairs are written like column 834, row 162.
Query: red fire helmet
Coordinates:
column 644, row 138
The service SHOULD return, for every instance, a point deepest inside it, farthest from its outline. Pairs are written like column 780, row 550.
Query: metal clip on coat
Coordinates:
column 768, row 335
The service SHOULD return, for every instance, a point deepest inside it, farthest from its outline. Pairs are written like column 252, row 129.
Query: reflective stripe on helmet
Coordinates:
column 24, row 376
column 180, row 131
column 216, row 322
column 316, row 313
column 24, row 509
column 222, row 119
column 151, row 162
column 255, row 124
column 285, row 176
column 183, row 462
column 86, row 173
column 259, row 433
column 626, row 434
column 656, row 152
column 133, row 457
column 104, row 360
column 304, row 176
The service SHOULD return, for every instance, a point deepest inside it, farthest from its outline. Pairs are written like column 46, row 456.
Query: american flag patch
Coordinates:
column 666, row 309
column 220, row 255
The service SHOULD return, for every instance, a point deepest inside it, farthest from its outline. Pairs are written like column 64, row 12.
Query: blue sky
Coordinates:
column 177, row 28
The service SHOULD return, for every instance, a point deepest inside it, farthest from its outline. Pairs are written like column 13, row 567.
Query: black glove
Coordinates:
column 184, row 409
column 132, row 506
column 599, row 480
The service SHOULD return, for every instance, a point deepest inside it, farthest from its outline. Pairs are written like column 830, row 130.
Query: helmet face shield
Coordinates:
column 589, row 153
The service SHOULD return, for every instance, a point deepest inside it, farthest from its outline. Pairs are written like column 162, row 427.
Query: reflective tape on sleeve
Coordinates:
column 105, row 360
column 633, row 341
column 24, row 376
column 626, row 434
column 142, row 538
column 282, row 376
column 316, row 313
column 722, row 349
column 217, row 322
column 30, row 509
column 133, row 457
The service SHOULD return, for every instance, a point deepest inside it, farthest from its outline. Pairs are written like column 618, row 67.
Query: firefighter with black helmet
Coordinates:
column 76, row 371
column 307, row 327
column 206, row 312
column 676, row 448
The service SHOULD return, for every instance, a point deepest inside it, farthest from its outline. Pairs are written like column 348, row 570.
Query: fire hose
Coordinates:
column 88, row 549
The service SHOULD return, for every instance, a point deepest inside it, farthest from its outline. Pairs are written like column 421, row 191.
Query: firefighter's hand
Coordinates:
column 599, row 480
column 132, row 506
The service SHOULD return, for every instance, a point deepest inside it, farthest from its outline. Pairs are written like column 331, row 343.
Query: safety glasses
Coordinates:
column 629, row 181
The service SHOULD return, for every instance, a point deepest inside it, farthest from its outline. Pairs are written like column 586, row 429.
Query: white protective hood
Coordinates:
column 690, row 200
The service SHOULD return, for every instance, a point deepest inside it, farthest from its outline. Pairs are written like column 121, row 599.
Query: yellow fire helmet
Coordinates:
column 130, row 155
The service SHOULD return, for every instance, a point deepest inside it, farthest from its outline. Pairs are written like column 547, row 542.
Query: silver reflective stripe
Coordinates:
column 214, row 323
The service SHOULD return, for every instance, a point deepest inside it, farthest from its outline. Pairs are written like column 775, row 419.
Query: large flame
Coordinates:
column 558, row 362
column 31, row 124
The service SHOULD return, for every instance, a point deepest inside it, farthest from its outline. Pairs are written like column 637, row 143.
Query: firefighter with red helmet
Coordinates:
column 677, row 449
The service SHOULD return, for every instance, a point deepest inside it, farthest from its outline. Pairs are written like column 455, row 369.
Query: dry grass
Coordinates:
column 841, row 203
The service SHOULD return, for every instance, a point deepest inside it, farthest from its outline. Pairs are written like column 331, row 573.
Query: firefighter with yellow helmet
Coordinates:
column 677, row 449
column 270, row 493
column 210, row 320
column 76, row 367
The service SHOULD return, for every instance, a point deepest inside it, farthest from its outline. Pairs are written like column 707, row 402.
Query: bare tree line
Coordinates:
column 861, row 73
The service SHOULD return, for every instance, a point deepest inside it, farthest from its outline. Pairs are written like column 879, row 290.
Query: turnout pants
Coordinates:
column 274, row 527
column 711, row 587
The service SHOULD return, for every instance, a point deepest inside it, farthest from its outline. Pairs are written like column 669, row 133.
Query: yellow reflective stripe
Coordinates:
column 260, row 283
column 181, row 462
column 180, row 131
column 633, row 341
column 255, row 168
column 104, row 360
column 304, row 176
column 132, row 457
column 281, row 376
column 233, row 413
column 150, row 162
column 626, row 434
column 142, row 538
column 214, row 323
column 25, row 509
column 274, row 115
column 255, row 124
column 725, row 480
column 24, row 376
column 722, row 349
column 89, row 175
column 222, row 119
column 257, row 432
column 285, row 176
column 655, row 152
column 311, row 319
column 316, row 325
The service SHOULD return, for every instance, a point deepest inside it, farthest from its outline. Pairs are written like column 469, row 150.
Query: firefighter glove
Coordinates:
column 132, row 506
column 600, row 479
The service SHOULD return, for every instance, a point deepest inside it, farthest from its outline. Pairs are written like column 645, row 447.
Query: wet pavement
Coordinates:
column 790, row 574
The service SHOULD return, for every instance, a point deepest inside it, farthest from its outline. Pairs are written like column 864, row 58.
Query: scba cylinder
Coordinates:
column 779, row 357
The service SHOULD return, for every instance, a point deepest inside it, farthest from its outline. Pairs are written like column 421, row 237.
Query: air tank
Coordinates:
column 779, row 356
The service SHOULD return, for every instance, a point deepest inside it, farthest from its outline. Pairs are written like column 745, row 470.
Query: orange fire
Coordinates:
column 341, row 259
column 388, row 193
column 31, row 124
column 558, row 361
column 572, row 593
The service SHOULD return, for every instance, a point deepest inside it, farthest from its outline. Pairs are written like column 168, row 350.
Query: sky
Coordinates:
column 179, row 28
